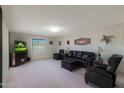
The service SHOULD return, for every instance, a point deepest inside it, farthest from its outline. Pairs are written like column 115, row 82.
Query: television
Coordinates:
column 20, row 46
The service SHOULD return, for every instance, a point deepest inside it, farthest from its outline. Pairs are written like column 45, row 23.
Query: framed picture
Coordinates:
column 60, row 43
column 82, row 41
column 50, row 42
column 68, row 42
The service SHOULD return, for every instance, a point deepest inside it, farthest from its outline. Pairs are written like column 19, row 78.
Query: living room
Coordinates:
column 45, row 30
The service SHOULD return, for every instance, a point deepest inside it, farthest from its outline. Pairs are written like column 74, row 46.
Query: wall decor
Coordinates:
column 82, row 41
column 107, row 39
column 68, row 42
column 50, row 42
column 60, row 43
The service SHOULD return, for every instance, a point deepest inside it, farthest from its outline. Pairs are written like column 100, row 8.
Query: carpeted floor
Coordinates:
column 45, row 74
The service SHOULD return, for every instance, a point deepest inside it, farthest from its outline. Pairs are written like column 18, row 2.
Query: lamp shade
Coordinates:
column 100, row 49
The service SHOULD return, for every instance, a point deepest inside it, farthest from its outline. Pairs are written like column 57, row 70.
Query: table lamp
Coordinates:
column 100, row 50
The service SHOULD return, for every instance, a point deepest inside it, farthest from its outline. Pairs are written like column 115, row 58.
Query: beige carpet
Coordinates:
column 45, row 74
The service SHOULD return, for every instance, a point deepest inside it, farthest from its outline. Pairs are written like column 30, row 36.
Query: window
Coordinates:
column 37, row 44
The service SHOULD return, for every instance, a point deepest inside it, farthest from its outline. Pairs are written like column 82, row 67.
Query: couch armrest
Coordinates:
column 90, row 61
column 100, row 65
column 99, row 71
column 55, row 54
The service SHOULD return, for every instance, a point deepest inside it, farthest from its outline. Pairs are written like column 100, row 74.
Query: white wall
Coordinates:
column 116, row 46
column 5, row 55
column 47, row 52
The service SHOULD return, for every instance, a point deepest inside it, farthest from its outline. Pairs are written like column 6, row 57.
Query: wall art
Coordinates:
column 82, row 41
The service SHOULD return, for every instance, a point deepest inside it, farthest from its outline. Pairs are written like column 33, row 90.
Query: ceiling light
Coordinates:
column 54, row 29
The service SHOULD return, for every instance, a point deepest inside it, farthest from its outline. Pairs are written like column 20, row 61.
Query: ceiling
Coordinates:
column 71, row 19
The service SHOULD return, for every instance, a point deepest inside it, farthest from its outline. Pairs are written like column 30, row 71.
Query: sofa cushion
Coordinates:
column 87, row 55
column 84, row 56
column 70, row 54
column 79, row 54
column 74, row 53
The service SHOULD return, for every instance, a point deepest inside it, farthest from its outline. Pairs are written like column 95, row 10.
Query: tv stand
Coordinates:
column 19, row 58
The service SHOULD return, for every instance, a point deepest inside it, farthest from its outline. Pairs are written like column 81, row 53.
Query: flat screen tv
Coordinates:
column 20, row 46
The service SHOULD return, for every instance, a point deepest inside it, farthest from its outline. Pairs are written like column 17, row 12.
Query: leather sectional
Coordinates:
column 74, row 59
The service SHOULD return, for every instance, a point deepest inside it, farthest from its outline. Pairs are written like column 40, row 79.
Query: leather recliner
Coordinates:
column 60, row 55
column 102, row 75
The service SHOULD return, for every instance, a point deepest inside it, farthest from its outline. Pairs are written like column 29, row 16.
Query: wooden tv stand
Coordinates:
column 18, row 58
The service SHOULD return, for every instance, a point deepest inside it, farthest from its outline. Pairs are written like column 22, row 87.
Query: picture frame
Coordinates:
column 82, row 41
column 60, row 43
column 68, row 42
column 50, row 42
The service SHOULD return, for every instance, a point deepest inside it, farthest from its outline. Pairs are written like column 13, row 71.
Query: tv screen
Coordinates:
column 20, row 46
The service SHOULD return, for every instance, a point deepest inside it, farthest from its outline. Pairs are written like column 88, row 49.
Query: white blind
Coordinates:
column 37, row 44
